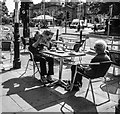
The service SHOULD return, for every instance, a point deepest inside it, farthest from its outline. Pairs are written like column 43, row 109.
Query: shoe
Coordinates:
column 80, row 84
column 49, row 78
column 67, row 88
column 75, row 88
column 43, row 79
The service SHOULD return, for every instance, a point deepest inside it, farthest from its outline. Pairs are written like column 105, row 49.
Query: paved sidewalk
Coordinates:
column 27, row 94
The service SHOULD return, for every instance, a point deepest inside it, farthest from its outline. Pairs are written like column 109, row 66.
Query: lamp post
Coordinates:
column 65, row 14
column 110, row 10
column 81, row 28
column 44, row 9
column 25, row 4
column 16, row 61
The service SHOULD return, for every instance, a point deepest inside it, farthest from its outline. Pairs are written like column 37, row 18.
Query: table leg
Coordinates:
column 60, row 68
column 59, row 81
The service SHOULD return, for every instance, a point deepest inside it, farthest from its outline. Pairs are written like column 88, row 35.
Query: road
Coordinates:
column 90, row 42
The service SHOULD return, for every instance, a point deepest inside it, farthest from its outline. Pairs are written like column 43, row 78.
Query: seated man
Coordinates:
column 101, row 55
column 38, row 43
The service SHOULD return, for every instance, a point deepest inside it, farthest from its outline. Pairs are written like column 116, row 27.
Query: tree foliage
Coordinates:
column 4, row 14
column 4, row 9
column 103, row 8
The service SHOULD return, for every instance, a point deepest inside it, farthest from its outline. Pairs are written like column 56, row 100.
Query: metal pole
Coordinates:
column 16, row 61
column 65, row 18
column 44, row 9
column 110, row 10
column 57, row 34
column 79, row 21
column 25, row 19
column 108, row 32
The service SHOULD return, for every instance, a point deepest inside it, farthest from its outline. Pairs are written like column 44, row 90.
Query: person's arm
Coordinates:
column 36, row 43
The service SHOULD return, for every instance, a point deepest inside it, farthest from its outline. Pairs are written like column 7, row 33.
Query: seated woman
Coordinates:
column 101, row 55
column 38, row 43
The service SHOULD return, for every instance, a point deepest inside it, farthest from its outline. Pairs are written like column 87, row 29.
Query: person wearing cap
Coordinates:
column 37, row 44
column 101, row 55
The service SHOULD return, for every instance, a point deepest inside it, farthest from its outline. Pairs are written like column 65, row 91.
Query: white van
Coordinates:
column 76, row 22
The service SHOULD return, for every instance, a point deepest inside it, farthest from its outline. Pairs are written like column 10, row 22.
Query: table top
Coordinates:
column 73, row 38
column 58, row 42
column 64, row 54
column 115, row 51
column 66, row 43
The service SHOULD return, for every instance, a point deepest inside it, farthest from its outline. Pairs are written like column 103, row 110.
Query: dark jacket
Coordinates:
column 33, row 49
column 36, row 51
column 95, row 70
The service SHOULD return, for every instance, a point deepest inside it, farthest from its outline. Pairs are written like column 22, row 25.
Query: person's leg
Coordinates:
column 50, row 61
column 78, row 79
column 43, row 66
column 42, row 61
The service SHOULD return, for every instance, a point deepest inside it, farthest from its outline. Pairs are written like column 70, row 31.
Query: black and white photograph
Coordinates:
column 60, row 56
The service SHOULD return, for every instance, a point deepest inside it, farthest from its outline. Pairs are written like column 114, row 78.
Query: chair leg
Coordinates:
column 25, row 69
column 34, row 69
column 107, row 90
column 84, row 46
column 10, row 57
column 72, row 83
column 62, row 108
column 92, row 92
column 87, row 89
column 113, row 70
column 38, row 70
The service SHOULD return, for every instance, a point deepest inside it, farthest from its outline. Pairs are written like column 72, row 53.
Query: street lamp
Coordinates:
column 25, row 17
column 16, row 61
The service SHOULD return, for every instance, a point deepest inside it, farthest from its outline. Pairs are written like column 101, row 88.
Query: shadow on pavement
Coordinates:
column 113, row 84
column 32, row 91
column 80, row 105
column 17, row 85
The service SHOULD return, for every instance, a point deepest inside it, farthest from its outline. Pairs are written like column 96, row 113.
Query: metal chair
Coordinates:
column 34, row 64
column 76, row 48
column 25, row 42
column 115, row 57
column 100, row 66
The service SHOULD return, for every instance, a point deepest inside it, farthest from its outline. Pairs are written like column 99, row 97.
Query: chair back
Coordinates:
column 6, row 46
column 115, row 57
column 78, row 45
column 102, row 68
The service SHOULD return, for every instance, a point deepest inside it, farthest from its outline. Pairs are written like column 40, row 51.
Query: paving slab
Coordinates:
column 28, row 95
column 38, row 97
column 9, row 105
column 78, row 104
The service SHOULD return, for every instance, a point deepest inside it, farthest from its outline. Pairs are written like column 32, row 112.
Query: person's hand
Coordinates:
column 45, row 48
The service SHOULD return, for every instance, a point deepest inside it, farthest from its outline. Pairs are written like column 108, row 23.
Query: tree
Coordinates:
column 103, row 8
column 4, row 14
column 4, row 9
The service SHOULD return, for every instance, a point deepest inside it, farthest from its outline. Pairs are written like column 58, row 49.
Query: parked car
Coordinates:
column 75, row 23
column 98, row 26
column 90, row 25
